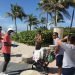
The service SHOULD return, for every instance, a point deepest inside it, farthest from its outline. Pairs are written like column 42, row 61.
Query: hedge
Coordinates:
column 27, row 37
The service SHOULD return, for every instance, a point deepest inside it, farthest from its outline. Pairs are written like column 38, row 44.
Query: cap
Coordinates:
column 10, row 29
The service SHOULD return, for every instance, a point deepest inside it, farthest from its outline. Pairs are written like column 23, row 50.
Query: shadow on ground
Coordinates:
column 17, row 72
column 52, row 70
column 16, row 55
column 13, row 55
column 46, row 71
column 17, row 68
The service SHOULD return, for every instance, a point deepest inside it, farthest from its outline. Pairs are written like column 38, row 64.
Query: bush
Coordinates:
column 47, row 36
column 27, row 37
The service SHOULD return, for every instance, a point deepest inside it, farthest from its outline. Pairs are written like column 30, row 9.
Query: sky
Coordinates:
column 29, row 7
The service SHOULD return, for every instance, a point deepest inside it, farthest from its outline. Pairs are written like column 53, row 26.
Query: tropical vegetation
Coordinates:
column 16, row 12
column 55, row 10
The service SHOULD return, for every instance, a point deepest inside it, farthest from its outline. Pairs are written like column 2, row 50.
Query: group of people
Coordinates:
column 64, row 52
column 6, row 44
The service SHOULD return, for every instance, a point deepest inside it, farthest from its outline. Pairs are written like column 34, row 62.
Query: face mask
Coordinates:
column 12, row 34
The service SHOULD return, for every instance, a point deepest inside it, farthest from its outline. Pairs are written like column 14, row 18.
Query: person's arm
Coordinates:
column 1, row 38
column 35, row 37
column 59, row 42
column 7, row 44
column 64, row 39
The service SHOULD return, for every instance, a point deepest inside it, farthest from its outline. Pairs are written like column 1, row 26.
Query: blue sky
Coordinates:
column 29, row 7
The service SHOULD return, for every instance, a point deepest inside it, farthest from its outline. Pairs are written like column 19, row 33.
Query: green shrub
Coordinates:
column 27, row 37
column 47, row 36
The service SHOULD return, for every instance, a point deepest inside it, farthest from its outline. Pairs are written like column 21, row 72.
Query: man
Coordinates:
column 69, row 55
column 59, row 55
column 0, row 37
column 6, row 49
column 38, row 40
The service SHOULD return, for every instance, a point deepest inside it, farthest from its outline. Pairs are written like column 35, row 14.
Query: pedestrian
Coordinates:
column 0, row 38
column 59, row 55
column 38, row 40
column 6, row 49
column 69, row 55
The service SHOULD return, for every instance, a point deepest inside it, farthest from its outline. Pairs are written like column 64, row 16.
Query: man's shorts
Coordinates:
column 68, row 71
column 6, row 57
column 59, row 60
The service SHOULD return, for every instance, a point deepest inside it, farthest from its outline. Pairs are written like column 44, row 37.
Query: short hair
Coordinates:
column 71, row 38
column 55, row 33
column 39, row 31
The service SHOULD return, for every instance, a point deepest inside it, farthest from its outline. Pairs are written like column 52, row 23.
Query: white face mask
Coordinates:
column 12, row 33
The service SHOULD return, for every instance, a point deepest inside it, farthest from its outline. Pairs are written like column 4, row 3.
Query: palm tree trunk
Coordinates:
column 55, row 18
column 27, row 27
column 72, row 20
column 30, row 27
column 15, row 26
column 17, row 37
column 47, row 20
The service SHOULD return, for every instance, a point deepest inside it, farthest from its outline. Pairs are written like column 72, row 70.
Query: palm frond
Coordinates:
column 10, row 15
column 66, row 13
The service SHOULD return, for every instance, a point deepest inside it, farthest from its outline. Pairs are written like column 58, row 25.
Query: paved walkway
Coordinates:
column 16, row 59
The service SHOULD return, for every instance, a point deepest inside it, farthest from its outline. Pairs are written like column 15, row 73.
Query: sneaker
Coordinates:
column 2, row 73
column 5, row 74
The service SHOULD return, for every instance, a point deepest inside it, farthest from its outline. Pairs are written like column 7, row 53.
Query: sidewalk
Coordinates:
column 24, row 50
column 53, row 68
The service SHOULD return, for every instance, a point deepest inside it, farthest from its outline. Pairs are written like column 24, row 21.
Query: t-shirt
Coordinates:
column 69, row 55
column 61, row 51
column 6, row 49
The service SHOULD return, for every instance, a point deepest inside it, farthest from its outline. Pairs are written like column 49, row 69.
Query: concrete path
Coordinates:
column 15, row 68
column 17, row 54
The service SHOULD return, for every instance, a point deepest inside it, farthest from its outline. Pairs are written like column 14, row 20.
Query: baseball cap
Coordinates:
column 10, row 29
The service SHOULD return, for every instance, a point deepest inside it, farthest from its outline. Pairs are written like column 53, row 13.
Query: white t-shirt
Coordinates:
column 61, row 51
column 69, row 55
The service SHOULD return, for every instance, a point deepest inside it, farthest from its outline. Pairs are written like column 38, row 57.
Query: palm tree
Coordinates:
column 16, row 12
column 71, row 3
column 32, row 20
column 43, row 21
column 55, row 8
